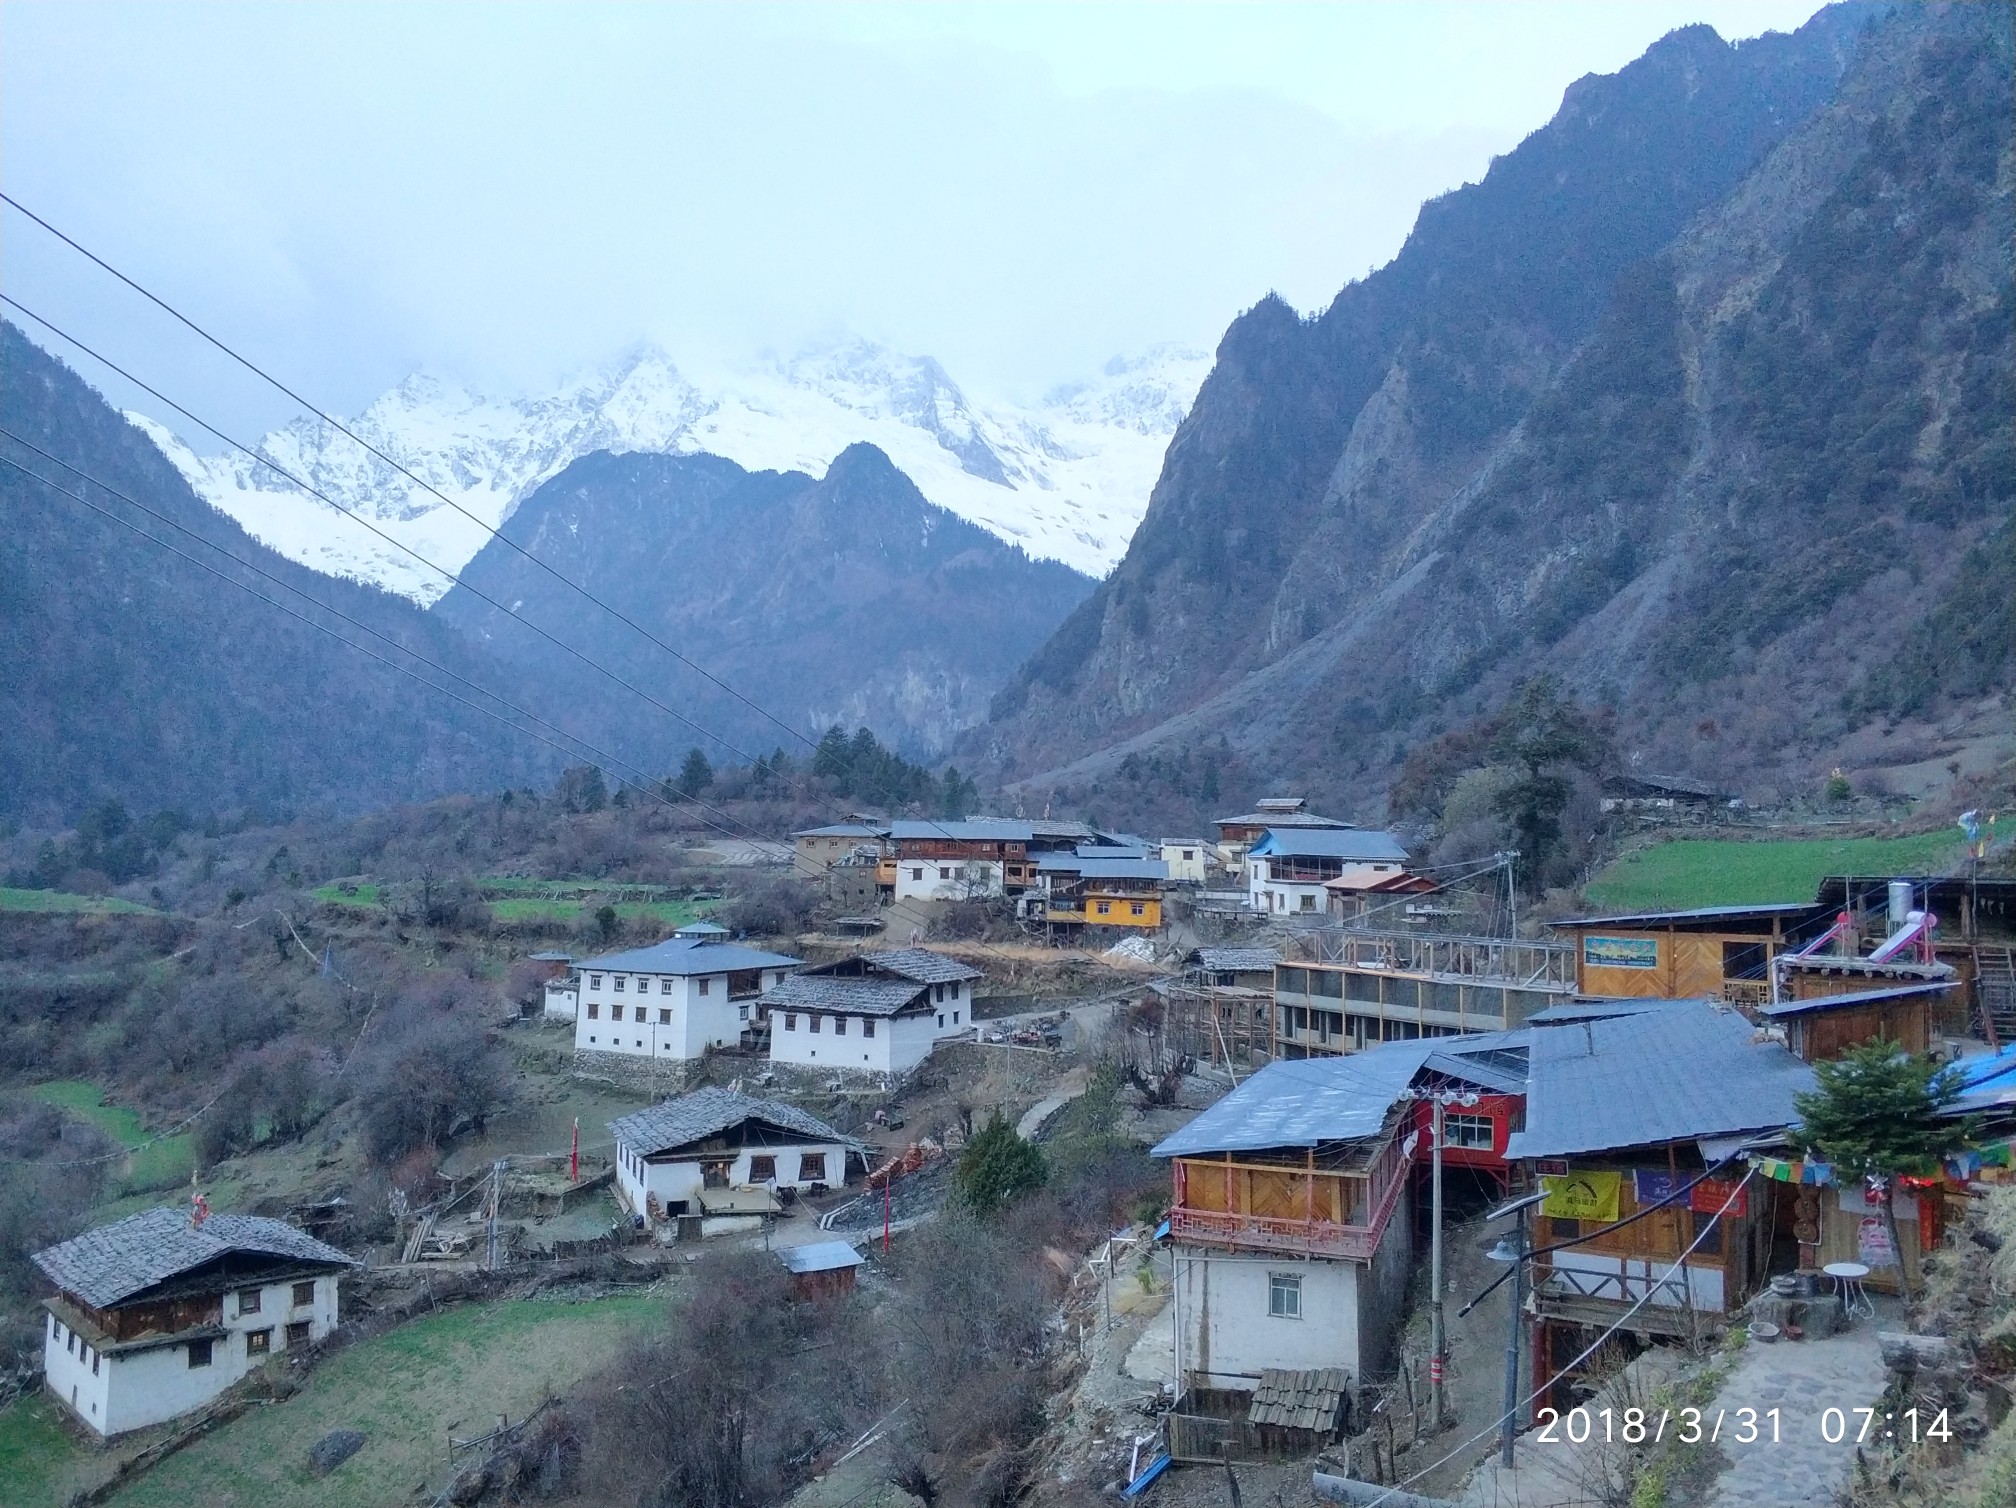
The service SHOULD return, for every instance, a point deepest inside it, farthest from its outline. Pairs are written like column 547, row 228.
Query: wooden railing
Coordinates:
column 1526, row 965
column 1385, row 1180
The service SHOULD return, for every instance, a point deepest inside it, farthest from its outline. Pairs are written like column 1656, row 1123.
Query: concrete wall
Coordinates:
column 674, row 1180
column 1186, row 871
column 133, row 1389
column 947, row 879
column 1225, row 1334
column 563, row 1001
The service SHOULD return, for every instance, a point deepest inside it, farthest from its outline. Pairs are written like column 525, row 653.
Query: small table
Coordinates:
column 1855, row 1298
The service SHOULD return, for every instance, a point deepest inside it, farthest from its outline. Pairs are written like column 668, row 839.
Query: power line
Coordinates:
column 343, row 429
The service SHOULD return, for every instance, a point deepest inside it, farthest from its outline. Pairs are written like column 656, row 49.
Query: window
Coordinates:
column 944, row 872
column 618, row 982
column 664, row 1015
column 199, row 1352
column 665, row 985
column 304, row 1293
column 594, row 981
column 916, row 874
column 762, row 1169
column 955, row 1018
column 94, row 1363
column 868, row 1027
column 839, row 1026
column 258, row 1342
column 811, row 1167
column 1189, row 853
column 941, row 1018
column 73, row 1343
column 1707, row 1234
column 812, row 1024
column 1565, row 1230
column 1467, row 1131
column 742, row 1011
column 938, row 993
column 1105, row 908
column 1137, row 908
column 703, row 985
column 593, row 1038
column 1308, row 903
column 248, row 1301
column 1284, row 1295
column 297, row 1334
column 790, row 1021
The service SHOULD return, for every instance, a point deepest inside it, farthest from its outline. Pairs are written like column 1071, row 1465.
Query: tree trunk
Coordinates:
column 1896, row 1242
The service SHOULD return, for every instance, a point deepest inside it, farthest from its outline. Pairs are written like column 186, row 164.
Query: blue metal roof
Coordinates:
column 1310, row 1101
column 1695, row 1070
column 685, row 955
column 1358, row 843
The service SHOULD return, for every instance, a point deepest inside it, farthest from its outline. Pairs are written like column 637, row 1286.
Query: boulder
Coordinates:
column 333, row 1449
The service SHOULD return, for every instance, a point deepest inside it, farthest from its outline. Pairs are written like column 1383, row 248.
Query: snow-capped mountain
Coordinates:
column 1067, row 479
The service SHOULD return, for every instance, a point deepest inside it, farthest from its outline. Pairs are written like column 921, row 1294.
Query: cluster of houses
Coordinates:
column 1636, row 1078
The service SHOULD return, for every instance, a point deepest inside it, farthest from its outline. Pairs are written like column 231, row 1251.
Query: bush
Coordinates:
column 430, row 1085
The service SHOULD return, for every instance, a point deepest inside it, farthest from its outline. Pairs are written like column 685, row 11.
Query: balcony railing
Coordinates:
column 1386, row 1179
column 1528, row 965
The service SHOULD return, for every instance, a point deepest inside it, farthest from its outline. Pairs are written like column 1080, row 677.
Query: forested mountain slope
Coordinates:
column 129, row 672
column 1701, row 400
column 850, row 599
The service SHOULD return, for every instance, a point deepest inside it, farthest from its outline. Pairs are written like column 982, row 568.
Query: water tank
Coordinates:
column 1900, row 905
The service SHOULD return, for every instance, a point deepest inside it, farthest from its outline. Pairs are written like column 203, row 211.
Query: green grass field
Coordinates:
column 408, row 1390
column 161, row 1165
column 1708, row 872
column 60, row 900
column 515, row 898
column 361, row 895
column 671, row 913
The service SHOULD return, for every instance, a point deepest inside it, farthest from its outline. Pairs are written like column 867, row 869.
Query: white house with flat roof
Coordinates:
column 157, row 1314
column 675, row 1000
column 878, row 1012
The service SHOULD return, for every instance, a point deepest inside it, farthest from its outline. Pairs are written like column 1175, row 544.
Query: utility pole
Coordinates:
column 1435, row 1335
column 1509, row 1428
column 496, row 1198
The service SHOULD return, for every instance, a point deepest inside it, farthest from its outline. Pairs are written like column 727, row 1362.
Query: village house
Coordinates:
column 856, row 837
column 558, row 988
column 978, row 858
column 1356, row 897
column 1288, row 869
column 675, row 1000
column 1221, row 1009
column 1662, row 796
column 1188, row 859
column 1623, row 1113
column 158, row 1313
column 1238, row 834
column 1721, row 951
column 1293, row 1241
column 723, row 1160
column 879, row 1012
column 822, row 1270
column 1095, row 886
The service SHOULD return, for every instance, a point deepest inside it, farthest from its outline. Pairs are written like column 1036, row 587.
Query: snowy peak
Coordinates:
column 1066, row 479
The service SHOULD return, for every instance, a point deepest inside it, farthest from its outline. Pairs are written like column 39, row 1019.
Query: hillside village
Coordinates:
column 1276, row 1076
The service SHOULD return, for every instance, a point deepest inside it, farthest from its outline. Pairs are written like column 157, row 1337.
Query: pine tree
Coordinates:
column 998, row 1166
column 695, row 775
column 1882, row 1112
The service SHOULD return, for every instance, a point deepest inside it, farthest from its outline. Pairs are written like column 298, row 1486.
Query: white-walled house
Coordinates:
column 674, row 1000
column 157, row 1314
column 1288, row 869
column 878, row 1012
column 1188, row 860
column 721, row 1155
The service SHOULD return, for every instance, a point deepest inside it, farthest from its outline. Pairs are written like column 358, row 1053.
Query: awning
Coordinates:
column 739, row 1202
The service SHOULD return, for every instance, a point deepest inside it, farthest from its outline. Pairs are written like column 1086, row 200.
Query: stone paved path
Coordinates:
column 1802, row 1379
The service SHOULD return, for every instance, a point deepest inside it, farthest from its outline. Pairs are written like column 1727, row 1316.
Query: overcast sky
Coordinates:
column 505, row 192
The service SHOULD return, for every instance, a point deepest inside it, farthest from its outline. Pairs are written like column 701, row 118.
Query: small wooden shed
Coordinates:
column 823, row 1270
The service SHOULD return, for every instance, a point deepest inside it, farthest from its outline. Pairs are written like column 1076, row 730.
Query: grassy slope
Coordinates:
column 407, row 1390
column 158, row 1165
column 59, row 900
column 1714, row 872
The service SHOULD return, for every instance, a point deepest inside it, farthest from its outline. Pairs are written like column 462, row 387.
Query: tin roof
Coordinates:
column 689, row 955
column 1697, row 914
column 1694, row 1070
column 694, row 1117
column 1309, row 1101
column 1859, row 997
column 1360, row 843
column 820, row 1256
column 845, row 830
column 115, row 1262
column 1282, row 818
column 1105, row 867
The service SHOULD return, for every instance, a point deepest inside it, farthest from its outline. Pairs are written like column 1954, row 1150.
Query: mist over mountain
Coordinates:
column 847, row 599
column 1701, row 400
column 1066, row 479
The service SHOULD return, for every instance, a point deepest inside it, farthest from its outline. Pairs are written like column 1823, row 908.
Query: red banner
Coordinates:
column 1711, row 1193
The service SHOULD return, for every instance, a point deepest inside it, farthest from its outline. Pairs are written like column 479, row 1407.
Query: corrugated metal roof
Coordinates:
column 694, row 1117
column 1357, row 843
column 684, row 955
column 845, row 830
column 1104, row 867
column 922, row 965
column 1698, row 914
column 114, row 1262
column 1595, row 1010
column 1312, row 1400
column 850, row 996
column 974, row 830
column 1311, row 1101
column 1235, row 960
column 1859, row 997
column 1681, row 1074
column 820, row 1256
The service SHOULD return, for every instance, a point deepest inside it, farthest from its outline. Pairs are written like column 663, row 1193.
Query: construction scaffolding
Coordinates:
column 1229, row 1026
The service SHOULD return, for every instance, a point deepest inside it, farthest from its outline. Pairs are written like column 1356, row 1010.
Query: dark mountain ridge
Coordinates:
column 849, row 599
column 1705, row 372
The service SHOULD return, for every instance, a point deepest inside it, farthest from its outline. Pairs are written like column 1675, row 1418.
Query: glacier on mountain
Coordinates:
column 1066, row 479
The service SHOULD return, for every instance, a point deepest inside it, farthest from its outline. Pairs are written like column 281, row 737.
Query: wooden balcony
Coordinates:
column 1307, row 1211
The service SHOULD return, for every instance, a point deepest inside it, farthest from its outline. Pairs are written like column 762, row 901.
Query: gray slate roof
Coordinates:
column 1284, row 819
column 114, row 1262
column 845, row 830
column 1119, row 865
column 922, row 965
column 1860, row 997
column 820, row 1256
column 1693, row 1071
column 1235, row 960
column 1310, row 1101
column 685, row 955
column 694, row 1117
column 1357, row 843
column 852, row 997
column 1311, row 1400
column 973, row 829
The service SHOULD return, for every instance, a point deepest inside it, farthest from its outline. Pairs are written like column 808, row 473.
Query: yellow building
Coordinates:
column 1094, row 889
